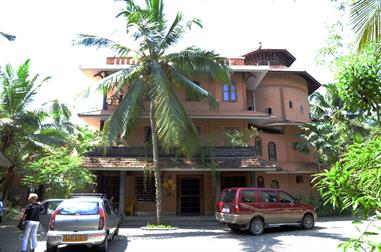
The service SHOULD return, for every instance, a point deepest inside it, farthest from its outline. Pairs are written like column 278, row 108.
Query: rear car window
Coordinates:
column 248, row 196
column 228, row 196
column 268, row 197
column 78, row 208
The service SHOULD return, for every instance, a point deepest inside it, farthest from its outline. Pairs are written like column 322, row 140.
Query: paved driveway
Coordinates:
column 325, row 237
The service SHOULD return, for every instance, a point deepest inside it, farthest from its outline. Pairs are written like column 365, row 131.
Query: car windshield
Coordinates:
column 228, row 196
column 78, row 208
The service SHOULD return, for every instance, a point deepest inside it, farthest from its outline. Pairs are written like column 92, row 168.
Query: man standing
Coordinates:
column 32, row 218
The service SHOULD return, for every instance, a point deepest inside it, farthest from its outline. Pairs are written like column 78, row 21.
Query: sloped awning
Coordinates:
column 136, row 159
column 297, row 167
column 4, row 162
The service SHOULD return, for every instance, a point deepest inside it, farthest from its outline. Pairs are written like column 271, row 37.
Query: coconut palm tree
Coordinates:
column 155, row 79
column 7, row 36
column 365, row 18
column 22, row 133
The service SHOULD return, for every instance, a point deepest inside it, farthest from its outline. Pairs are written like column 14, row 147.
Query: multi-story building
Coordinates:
column 266, row 92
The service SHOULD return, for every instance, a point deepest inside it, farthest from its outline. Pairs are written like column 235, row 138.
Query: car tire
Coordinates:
column 257, row 226
column 50, row 248
column 104, row 246
column 308, row 221
column 234, row 228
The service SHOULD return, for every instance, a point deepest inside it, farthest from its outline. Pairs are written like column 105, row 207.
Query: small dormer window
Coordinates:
column 290, row 104
column 269, row 111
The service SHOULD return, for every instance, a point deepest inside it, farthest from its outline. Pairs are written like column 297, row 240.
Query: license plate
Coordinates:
column 226, row 210
column 74, row 238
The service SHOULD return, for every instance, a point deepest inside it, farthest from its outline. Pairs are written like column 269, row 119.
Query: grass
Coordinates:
column 159, row 226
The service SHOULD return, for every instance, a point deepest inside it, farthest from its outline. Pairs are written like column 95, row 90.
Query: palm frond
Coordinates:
column 122, row 121
column 194, row 61
column 8, row 36
column 196, row 92
column 366, row 21
column 175, row 32
column 174, row 127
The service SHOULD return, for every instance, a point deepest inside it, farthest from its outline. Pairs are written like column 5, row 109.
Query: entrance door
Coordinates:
column 189, row 195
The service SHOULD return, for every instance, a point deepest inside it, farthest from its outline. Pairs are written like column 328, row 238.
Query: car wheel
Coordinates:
column 104, row 246
column 234, row 228
column 257, row 226
column 308, row 221
column 50, row 248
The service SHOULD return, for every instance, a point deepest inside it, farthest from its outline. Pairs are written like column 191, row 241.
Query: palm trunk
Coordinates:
column 155, row 153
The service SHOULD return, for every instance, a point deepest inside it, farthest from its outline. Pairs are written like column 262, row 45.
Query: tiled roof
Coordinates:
column 137, row 158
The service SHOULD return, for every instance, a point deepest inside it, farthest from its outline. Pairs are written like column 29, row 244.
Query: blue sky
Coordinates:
column 45, row 29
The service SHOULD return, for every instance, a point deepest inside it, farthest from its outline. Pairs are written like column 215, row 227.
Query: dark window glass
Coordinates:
column 268, row 197
column 299, row 179
column 258, row 146
column 285, row 198
column 145, row 189
column 147, row 135
column 188, row 94
column 232, row 181
column 260, row 182
column 107, row 207
column 272, row 151
column 269, row 111
column 228, row 196
column 274, row 184
column 248, row 196
column 290, row 104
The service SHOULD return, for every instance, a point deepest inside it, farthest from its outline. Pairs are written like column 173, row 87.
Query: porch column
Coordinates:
column 252, row 178
column 122, row 193
column 218, row 185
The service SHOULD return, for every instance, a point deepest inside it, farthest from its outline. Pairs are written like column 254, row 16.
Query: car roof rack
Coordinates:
column 97, row 195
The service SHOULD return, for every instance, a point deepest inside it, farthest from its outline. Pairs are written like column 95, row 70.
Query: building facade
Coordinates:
column 266, row 93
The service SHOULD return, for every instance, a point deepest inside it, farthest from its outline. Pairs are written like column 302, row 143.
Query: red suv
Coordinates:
column 256, row 208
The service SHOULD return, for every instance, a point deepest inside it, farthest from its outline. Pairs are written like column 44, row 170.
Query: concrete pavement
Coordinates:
column 325, row 237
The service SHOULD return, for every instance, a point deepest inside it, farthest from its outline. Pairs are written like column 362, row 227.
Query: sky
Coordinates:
column 45, row 30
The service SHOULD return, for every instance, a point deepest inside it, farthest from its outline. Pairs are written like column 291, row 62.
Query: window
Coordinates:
column 290, row 104
column 188, row 93
column 147, row 135
column 248, row 196
column 301, row 109
column 260, row 182
column 285, row 198
column 232, row 181
column 299, row 179
column 228, row 196
column 268, row 197
column 231, row 136
column 145, row 189
column 269, row 111
column 274, row 184
column 258, row 146
column 229, row 93
column 272, row 151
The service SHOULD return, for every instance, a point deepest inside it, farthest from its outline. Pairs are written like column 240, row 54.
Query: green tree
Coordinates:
column 22, row 133
column 359, row 83
column 365, row 18
column 355, row 181
column 155, row 78
column 60, row 171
